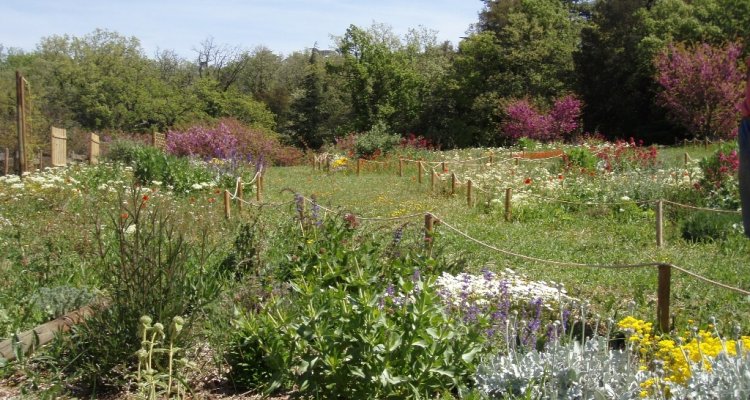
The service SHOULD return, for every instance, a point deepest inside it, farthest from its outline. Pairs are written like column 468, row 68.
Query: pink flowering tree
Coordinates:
column 524, row 120
column 702, row 86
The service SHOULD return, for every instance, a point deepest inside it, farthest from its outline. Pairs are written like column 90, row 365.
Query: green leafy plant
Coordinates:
column 580, row 157
column 706, row 226
column 354, row 325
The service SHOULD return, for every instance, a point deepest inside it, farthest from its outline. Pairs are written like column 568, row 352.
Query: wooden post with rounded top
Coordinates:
column 453, row 183
column 419, row 171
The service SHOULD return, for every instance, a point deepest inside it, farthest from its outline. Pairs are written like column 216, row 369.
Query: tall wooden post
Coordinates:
column 21, row 122
column 442, row 165
column 453, row 183
column 227, row 205
column 432, row 181
column 419, row 171
column 400, row 167
column 491, row 158
column 517, row 158
column 662, row 297
column 508, row 196
column 469, row 185
column 659, row 223
column 41, row 160
column 7, row 160
column 686, row 158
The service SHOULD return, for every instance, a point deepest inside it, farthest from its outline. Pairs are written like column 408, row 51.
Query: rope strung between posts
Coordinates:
column 589, row 203
column 574, row 264
column 702, row 208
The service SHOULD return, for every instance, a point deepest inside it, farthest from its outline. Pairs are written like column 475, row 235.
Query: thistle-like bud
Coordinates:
column 159, row 327
column 142, row 354
column 146, row 320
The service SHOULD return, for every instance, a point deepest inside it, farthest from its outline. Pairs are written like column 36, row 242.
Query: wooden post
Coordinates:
column 659, row 223
column 227, row 205
column 432, row 181
column 258, row 188
column 419, row 171
column 240, row 196
column 41, row 161
column 453, row 183
column 429, row 222
column 686, row 158
column 491, row 158
column 442, row 165
column 7, row 160
column 359, row 165
column 400, row 167
column 517, row 158
column 469, row 184
column 662, row 297
column 21, row 123
column 508, row 196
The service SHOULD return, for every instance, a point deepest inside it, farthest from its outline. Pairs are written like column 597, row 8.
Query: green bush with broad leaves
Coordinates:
column 377, row 141
column 354, row 324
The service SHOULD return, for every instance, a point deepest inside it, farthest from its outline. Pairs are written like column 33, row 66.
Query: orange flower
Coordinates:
column 560, row 177
column 211, row 199
column 527, row 181
column 124, row 215
column 145, row 197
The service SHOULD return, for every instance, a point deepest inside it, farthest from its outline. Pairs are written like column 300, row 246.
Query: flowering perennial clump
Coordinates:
column 679, row 357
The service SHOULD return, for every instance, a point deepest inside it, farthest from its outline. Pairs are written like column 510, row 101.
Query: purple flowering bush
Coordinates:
column 230, row 139
column 523, row 120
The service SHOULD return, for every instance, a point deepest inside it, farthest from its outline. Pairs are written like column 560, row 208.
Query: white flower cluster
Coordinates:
column 489, row 288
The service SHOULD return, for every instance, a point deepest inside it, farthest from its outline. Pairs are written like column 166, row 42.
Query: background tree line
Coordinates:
column 605, row 53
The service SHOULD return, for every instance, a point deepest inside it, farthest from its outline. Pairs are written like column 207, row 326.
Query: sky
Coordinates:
column 181, row 25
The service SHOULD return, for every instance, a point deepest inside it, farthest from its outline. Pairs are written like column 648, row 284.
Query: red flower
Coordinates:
column 145, row 198
column 527, row 181
column 124, row 215
column 560, row 177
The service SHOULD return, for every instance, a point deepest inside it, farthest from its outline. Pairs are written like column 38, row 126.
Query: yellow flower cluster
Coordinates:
column 676, row 355
column 339, row 163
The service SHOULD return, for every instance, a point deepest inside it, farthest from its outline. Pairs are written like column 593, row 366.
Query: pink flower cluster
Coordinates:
column 523, row 120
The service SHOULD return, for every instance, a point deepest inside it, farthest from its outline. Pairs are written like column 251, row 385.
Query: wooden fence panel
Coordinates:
column 159, row 140
column 94, row 149
column 59, row 147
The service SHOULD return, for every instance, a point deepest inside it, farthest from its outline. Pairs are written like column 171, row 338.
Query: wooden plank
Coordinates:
column 32, row 339
column 59, row 139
